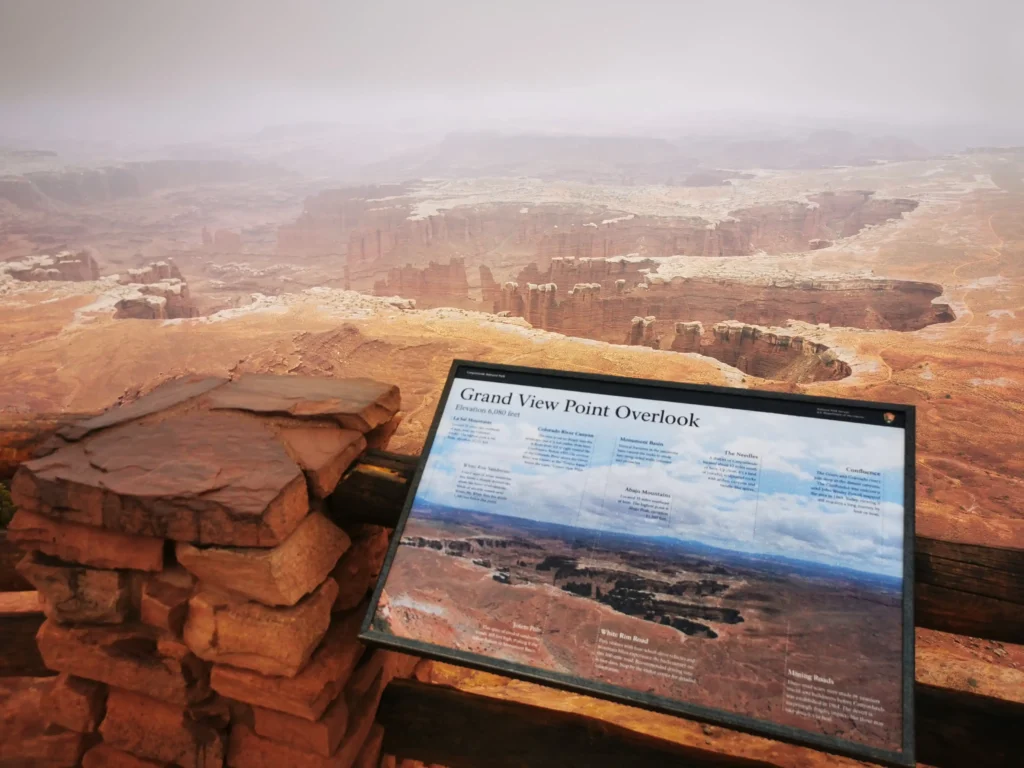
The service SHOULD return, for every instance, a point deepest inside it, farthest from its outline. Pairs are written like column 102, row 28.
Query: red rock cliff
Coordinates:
column 592, row 312
column 385, row 230
column 764, row 352
column 65, row 265
column 433, row 282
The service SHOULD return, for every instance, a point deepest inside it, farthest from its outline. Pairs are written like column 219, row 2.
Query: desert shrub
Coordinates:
column 6, row 506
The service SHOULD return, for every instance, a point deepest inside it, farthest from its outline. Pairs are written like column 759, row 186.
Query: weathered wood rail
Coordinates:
column 445, row 726
column 484, row 731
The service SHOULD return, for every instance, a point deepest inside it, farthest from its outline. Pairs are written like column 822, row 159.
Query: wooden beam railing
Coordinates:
column 959, row 588
column 439, row 725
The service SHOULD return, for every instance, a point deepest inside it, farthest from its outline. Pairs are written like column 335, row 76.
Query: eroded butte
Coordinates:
column 893, row 281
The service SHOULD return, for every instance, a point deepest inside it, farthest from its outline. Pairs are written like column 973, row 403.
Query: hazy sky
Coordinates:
column 185, row 69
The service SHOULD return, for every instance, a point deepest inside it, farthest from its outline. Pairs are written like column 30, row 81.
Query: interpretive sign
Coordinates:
column 738, row 557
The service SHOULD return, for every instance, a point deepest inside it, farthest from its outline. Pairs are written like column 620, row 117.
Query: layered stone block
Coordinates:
column 320, row 736
column 247, row 749
column 85, row 544
column 278, row 576
column 76, row 703
column 378, row 437
column 26, row 738
column 324, row 735
column 75, row 593
column 131, row 656
column 310, row 692
column 155, row 730
column 163, row 602
column 230, row 629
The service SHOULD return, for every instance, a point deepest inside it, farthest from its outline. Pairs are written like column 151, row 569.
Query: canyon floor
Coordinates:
column 283, row 307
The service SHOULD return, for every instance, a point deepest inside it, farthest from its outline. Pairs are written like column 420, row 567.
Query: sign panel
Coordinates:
column 737, row 557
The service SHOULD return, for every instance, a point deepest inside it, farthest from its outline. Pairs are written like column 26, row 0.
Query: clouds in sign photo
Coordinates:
column 775, row 514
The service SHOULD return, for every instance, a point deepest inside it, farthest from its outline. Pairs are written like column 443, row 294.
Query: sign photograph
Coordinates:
column 732, row 556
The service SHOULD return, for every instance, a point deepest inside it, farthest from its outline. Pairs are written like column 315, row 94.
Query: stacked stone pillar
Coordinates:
column 202, row 608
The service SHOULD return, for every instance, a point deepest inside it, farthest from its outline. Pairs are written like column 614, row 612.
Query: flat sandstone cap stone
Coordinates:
column 353, row 403
column 281, row 575
column 209, row 478
column 165, row 396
